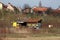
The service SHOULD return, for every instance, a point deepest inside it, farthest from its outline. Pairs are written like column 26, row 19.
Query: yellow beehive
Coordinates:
column 33, row 24
column 29, row 25
column 15, row 24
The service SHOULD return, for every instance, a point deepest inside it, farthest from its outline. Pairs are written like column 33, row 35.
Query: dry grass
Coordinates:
column 34, row 38
column 43, row 34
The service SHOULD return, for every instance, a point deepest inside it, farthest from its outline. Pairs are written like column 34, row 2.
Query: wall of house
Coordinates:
column 1, row 6
column 10, row 7
column 32, row 24
column 39, row 25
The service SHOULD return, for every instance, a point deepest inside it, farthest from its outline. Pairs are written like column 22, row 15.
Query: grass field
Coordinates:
column 44, row 34
column 34, row 38
column 40, row 33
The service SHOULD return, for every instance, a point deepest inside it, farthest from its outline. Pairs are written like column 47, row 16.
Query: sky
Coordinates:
column 20, row 3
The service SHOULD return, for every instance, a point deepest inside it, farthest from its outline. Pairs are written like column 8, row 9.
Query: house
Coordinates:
column 31, row 22
column 56, row 12
column 19, row 9
column 26, row 10
column 34, row 22
column 40, row 10
column 5, row 7
column 1, row 5
column 10, row 7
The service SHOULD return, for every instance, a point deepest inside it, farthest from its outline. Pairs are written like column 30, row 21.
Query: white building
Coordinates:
column 1, row 6
column 10, row 7
column 20, row 10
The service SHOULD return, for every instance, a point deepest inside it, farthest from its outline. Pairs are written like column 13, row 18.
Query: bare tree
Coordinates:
column 49, row 11
column 26, row 6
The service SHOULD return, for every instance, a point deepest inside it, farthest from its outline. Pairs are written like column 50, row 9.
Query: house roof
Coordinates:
column 12, row 5
column 56, row 11
column 1, row 2
column 32, row 20
column 4, row 6
column 43, row 9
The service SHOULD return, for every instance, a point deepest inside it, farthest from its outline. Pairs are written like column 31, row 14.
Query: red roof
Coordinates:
column 43, row 9
column 33, row 20
column 56, row 11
